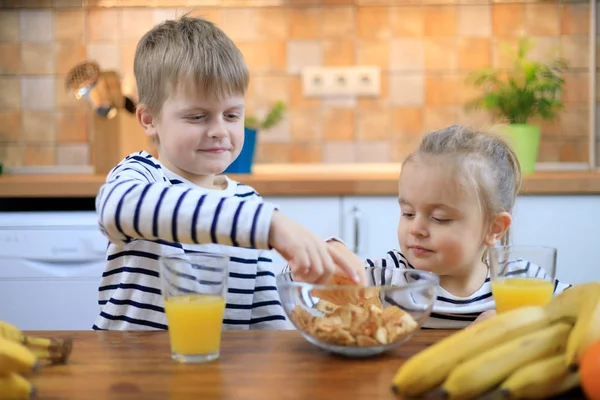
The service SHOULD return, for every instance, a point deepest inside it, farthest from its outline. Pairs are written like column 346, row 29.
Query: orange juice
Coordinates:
column 511, row 293
column 195, row 323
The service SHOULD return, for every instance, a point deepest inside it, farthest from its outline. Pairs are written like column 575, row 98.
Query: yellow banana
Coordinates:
column 53, row 350
column 483, row 372
column 13, row 333
column 14, row 357
column 568, row 304
column 15, row 387
column 541, row 379
column 427, row 369
column 586, row 330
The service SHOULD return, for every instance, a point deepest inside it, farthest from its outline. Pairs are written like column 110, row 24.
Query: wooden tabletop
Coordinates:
column 326, row 181
column 261, row 365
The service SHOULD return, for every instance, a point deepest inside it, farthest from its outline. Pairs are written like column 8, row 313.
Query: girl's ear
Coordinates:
column 498, row 227
column 147, row 121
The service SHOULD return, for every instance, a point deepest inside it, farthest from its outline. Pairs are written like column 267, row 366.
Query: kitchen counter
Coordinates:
column 261, row 365
column 299, row 180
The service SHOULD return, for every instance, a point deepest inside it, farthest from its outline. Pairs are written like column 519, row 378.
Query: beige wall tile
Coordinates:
column 40, row 155
column 476, row 119
column 549, row 150
column 545, row 48
column 575, row 18
column 373, row 124
column 71, row 126
column 474, row 53
column 441, row 54
column 209, row 11
column 338, row 124
column 574, row 121
column 37, row 127
column 373, row 152
column 306, row 124
column 266, row 90
column 401, row 147
column 575, row 50
column 10, row 126
column 10, row 58
column 407, row 55
column 37, row 93
column 10, row 93
column 9, row 26
column 440, row 20
column 338, row 22
column 162, row 14
column 574, row 151
column 305, row 23
column 12, row 155
column 407, row 21
column 36, row 26
column 439, row 117
column 69, row 25
column 37, row 58
column 67, row 3
column 474, row 20
column 374, row 53
column 107, row 55
column 103, row 25
column 338, row 52
column 135, row 22
column 66, row 55
column 127, row 58
column 441, row 90
column 576, row 87
column 279, row 133
column 407, row 90
column 273, row 23
column 303, row 53
column 62, row 98
column 381, row 101
column 267, row 56
column 508, row 20
column 407, row 121
column 542, row 19
column 501, row 52
column 273, row 153
column 73, row 154
column 339, row 152
column 373, row 23
column 306, row 153
column 27, row 3
column 240, row 23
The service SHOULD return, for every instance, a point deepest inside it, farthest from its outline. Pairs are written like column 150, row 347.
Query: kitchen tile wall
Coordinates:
column 425, row 51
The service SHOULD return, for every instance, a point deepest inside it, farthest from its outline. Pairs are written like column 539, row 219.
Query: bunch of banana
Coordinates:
column 21, row 354
column 529, row 352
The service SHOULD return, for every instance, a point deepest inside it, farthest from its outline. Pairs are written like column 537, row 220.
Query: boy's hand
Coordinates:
column 342, row 254
column 309, row 257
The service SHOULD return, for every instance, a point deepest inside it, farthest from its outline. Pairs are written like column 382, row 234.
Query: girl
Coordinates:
column 456, row 194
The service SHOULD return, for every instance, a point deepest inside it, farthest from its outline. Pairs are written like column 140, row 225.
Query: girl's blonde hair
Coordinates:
column 482, row 160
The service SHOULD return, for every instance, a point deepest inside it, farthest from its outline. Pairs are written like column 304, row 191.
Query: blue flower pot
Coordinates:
column 243, row 164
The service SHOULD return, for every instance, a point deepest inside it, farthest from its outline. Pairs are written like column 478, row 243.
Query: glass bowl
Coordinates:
column 360, row 321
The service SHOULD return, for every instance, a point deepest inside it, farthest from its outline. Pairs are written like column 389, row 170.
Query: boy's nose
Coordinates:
column 218, row 130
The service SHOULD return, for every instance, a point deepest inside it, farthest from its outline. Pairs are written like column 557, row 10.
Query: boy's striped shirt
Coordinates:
column 146, row 211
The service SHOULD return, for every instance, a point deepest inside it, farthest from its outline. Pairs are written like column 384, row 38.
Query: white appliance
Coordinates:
column 50, row 267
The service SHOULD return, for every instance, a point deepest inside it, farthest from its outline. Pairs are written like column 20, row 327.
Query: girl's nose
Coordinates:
column 418, row 227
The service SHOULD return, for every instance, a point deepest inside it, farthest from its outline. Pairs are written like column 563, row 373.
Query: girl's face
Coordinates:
column 442, row 228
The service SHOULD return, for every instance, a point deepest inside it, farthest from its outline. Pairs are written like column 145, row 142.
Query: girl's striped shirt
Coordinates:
column 147, row 211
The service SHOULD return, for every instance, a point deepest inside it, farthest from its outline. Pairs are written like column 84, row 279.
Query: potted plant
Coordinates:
column 243, row 164
column 529, row 89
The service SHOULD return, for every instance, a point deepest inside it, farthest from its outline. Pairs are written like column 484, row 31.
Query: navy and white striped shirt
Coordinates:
column 147, row 211
column 454, row 312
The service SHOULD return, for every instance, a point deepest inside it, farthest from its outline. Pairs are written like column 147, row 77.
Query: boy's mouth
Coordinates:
column 214, row 150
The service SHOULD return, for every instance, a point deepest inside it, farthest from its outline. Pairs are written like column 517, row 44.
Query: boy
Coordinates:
column 192, row 80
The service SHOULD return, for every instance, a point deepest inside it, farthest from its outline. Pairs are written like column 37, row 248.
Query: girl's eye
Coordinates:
column 442, row 220
column 408, row 215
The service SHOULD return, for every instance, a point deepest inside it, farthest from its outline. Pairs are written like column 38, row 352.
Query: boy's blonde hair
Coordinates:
column 187, row 54
column 482, row 160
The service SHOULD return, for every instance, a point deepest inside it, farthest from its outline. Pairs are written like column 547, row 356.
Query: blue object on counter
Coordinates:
column 243, row 164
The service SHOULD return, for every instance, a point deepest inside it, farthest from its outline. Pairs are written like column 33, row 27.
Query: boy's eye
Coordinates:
column 232, row 116
column 196, row 117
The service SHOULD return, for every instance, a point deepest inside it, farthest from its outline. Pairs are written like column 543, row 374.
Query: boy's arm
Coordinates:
column 135, row 204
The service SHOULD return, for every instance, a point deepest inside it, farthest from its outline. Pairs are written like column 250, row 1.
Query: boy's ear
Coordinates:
column 498, row 227
column 146, row 120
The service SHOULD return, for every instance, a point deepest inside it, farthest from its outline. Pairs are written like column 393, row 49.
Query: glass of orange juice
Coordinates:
column 194, row 287
column 522, row 275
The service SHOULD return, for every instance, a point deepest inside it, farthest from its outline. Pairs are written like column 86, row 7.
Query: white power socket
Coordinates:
column 341, row 81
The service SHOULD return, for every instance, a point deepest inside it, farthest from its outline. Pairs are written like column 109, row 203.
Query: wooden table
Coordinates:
column 261, row 365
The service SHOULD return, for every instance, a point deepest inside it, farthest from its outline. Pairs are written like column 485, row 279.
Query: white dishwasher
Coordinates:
column 50, row 267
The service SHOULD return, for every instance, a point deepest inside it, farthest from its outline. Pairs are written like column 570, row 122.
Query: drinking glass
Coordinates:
column 522, row 275
column 194, row 287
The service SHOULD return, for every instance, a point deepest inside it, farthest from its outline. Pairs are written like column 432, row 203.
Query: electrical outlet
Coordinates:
column 341, row 81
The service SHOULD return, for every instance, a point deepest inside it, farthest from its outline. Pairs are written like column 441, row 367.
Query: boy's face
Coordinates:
column 441, row 228
column 199, row 137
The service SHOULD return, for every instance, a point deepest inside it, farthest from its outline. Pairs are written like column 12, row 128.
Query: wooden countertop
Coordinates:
column 261, row 365
column 285, row 180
